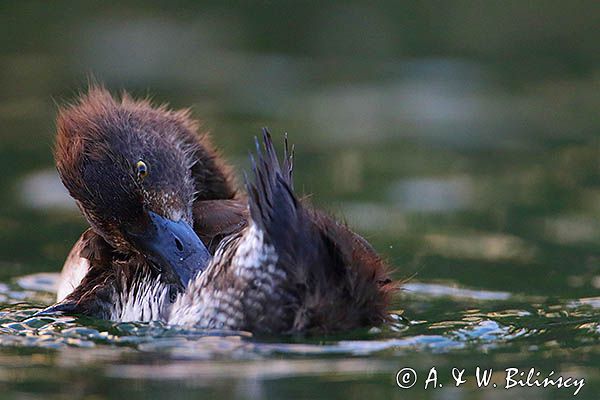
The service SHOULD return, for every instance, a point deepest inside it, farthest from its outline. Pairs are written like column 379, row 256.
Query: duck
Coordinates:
column 135, row 172
column 172, row 239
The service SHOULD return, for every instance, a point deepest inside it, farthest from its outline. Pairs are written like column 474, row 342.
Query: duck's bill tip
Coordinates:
column 174, row 247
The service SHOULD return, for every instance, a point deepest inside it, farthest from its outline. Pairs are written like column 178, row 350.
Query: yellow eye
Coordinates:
column 142, row 169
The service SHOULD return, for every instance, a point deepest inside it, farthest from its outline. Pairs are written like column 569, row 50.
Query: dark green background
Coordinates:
column 460, row 137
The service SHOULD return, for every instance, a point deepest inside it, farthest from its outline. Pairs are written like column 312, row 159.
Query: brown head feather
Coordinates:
column 99, row 140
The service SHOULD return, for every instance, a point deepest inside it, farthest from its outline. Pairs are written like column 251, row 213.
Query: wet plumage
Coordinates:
column 278, row 265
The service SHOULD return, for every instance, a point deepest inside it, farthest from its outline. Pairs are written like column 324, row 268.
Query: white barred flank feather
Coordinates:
column 253, row 264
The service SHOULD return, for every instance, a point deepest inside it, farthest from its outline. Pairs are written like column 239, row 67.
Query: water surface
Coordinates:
column 461, row 140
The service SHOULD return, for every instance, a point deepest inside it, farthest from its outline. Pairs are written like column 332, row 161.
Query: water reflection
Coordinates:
column 154, row 352
column 461, row 140
column 433, row 195
column 44, row 190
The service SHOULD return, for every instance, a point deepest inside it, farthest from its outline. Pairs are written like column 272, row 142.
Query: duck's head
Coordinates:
column 129, row 167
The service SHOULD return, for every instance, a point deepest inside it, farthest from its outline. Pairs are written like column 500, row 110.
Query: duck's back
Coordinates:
column 291, row 269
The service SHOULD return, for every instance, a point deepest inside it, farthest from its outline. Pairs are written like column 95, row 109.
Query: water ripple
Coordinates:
column 491, row 320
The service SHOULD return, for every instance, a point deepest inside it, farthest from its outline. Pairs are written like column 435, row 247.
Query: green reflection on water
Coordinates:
column 461, row 139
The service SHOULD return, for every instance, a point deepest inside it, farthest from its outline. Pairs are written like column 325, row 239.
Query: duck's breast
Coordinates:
column 73, row 272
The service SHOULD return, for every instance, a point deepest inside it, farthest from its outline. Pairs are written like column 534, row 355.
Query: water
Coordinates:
column 449, row 327
column 461, row 141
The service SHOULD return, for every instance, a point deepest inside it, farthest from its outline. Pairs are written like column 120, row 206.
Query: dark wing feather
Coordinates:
column 275, row 210
column 273, row 206
column 301, row 254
